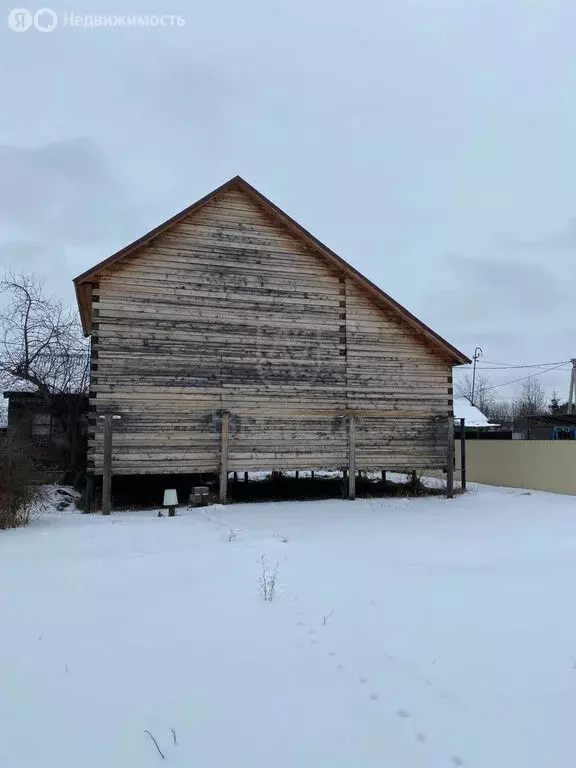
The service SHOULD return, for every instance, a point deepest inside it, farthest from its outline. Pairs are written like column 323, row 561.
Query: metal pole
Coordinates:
column 477, row 353
column 450, row 459
column 569, row 409
column 463, row 453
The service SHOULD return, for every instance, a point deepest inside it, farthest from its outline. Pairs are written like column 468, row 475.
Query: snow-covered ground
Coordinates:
column 404, row 633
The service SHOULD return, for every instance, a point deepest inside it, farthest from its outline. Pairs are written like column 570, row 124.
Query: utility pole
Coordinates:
column 477, row 353
column 570, row 408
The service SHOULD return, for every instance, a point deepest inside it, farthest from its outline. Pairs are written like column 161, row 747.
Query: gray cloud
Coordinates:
column 514, row 307
column 507, row 285
column 190, row 94
column 26, row 256
column 496, row 297
column 563, row 241
column 59, row 193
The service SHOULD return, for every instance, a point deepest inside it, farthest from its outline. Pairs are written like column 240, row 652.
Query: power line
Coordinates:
column 533, row 365
column 514, row 367
column 523, row 378
column 504, row 366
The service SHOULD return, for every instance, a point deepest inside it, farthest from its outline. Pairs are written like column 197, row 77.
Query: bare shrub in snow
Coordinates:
column 231, row 534
column 157, row 747
column 18, row 493
column 267, row 580
column 327, row 617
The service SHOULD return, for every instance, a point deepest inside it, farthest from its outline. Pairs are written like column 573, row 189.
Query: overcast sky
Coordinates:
column 428, row 142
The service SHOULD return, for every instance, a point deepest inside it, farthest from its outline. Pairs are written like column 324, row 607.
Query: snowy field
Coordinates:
column 403, row 634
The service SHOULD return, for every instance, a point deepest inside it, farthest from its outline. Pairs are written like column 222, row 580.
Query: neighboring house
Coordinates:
column 30, row 419
column 473, row 416
column 477, row 425
column 557, row 426
column 229, row 339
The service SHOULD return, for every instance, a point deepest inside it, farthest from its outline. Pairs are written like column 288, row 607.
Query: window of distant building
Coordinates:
column 41, row 427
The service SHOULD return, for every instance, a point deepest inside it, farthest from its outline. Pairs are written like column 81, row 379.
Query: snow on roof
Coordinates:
column 463, row 409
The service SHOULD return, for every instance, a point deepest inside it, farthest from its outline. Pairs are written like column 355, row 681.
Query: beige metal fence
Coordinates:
column 541, row 465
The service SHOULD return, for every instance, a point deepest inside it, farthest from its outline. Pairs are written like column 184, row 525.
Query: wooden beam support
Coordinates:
column 107, row 473
column 351, row 456
column 89, row 493
column 224, row 458
column 450, row 459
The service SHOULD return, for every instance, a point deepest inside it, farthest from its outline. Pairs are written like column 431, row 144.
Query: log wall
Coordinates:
column 228, row 311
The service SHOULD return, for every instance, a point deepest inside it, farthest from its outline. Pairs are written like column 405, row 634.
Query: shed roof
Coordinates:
column 84, row 281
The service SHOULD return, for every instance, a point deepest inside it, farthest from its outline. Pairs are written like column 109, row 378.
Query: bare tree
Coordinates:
column 530, row 399
column 500, row 412
column 483, row 394
column 42, row 349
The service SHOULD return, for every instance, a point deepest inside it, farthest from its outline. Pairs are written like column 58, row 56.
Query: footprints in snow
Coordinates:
column 374, row 696
column 311, row 632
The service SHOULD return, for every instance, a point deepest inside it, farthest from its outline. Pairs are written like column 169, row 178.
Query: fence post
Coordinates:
column 450, row 459
column 463, row 453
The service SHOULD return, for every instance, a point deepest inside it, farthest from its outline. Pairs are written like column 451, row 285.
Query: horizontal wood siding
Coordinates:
column 230, row 312
column 388, row 364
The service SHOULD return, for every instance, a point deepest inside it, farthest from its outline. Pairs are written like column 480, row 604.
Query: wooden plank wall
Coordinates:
column 230, row 312
column 387, row 368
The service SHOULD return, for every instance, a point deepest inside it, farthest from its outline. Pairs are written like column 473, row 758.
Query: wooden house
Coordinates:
column 230, row 339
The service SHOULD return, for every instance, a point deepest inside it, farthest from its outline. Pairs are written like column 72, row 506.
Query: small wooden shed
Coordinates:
column 230, row 339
